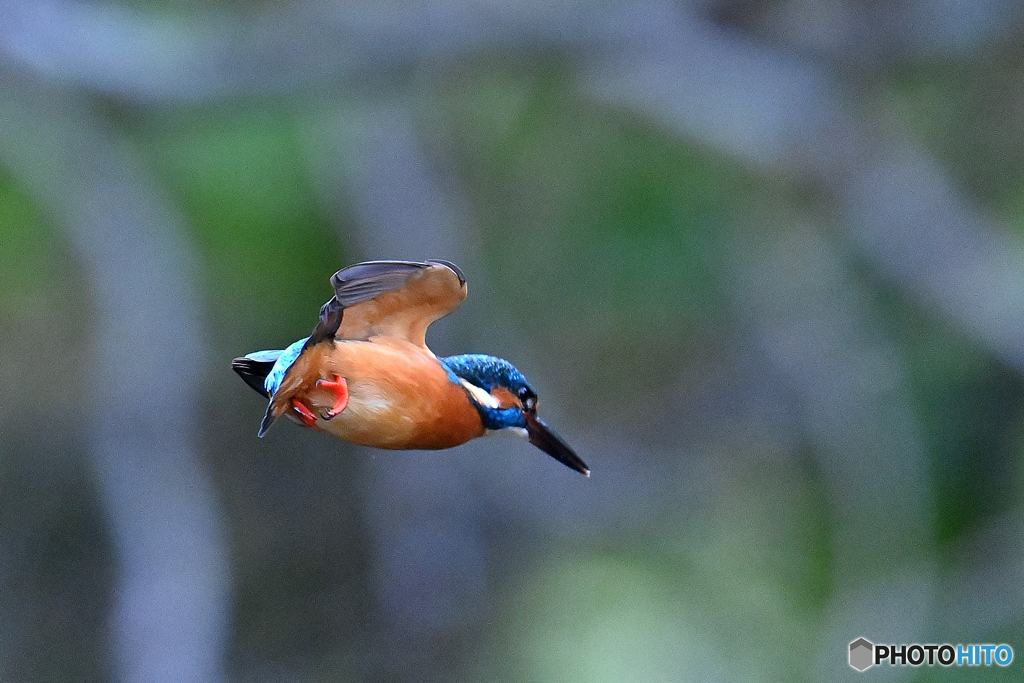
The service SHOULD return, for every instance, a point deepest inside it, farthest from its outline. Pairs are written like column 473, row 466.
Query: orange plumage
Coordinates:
column 399, row 395
column 366, row 375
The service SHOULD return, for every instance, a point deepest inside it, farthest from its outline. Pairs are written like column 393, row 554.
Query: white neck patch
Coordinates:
column 481, row 396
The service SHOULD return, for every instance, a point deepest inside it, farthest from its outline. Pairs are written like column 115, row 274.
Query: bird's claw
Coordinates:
column 339, row 387
column 306, row 416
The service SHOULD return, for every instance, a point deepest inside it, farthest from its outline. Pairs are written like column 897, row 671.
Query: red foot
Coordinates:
column 305, row 416
column 339, row 387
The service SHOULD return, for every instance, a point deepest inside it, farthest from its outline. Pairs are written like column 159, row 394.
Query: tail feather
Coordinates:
column 254, row 372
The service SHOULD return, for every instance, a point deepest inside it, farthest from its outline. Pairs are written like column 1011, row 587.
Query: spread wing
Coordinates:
column 390, row 299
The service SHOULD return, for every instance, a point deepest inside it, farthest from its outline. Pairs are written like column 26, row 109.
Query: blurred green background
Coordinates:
column 762, row 261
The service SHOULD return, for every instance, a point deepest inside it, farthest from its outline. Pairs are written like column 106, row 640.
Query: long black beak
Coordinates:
column 543, row 438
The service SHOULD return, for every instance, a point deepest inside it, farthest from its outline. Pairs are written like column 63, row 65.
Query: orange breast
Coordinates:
column 400, row 396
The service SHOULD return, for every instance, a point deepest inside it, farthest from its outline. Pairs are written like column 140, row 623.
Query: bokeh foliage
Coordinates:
column 615, row 254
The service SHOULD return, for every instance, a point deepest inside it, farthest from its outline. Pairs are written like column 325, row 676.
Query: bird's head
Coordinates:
column 506, row 401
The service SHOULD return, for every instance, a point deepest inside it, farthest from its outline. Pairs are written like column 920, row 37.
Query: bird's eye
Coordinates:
column 528, row 399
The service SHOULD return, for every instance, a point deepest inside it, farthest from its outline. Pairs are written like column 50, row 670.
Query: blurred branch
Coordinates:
column 170, row 607
column 147, row 56
column 905, row 213
column 403, row 205
column 426, row 523
column 774, row 111
column 659, row 60
column 866, row 33
column 782, row 114
column 655, row 58
column 137, row 55
column 426, row 511
column 814, row 326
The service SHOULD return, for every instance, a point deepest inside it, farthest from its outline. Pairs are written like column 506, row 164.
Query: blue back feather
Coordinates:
column 284, row 361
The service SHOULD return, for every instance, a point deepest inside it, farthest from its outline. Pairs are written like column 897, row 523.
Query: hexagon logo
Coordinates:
column 861, row 654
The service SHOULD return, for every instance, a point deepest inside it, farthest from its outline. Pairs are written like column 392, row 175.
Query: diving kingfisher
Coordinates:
column 365, row 373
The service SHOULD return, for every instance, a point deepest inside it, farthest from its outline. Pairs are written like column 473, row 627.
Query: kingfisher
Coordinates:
column 365, row 374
